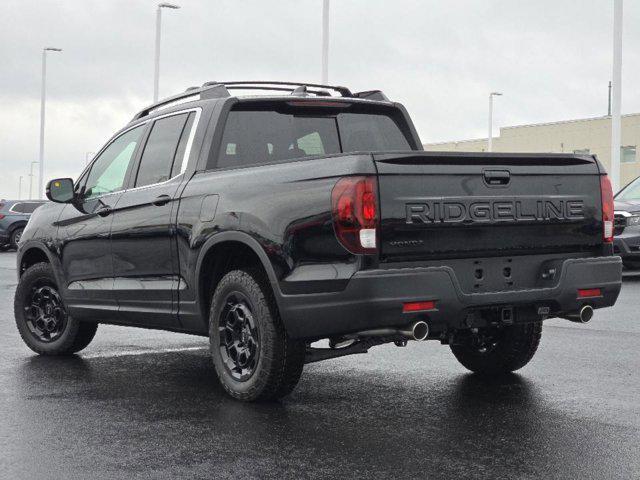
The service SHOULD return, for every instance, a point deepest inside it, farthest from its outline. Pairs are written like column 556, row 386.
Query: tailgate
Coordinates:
column 436, row 205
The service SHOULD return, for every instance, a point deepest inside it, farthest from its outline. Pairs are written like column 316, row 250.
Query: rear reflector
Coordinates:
column 589, row 292
column 418, row 306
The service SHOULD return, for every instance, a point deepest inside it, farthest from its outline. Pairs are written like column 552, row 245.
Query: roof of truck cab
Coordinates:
column 261, row 98
column 186, row 104
column 216, row 92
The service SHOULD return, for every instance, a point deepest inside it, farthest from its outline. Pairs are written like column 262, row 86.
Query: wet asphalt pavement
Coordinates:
column 145, row 404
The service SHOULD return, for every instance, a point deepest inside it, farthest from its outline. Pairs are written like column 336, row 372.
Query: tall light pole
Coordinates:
column 20, row 187
column 616, row 96
column 43, row 99
column 156, row 73
column 325, row 42
column 31, row 180
column 490, row 135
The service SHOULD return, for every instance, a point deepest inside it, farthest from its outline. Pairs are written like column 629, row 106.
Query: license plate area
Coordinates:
column 499, row 274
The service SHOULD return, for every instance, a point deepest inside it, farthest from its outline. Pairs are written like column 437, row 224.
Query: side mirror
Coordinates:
column 60, row 190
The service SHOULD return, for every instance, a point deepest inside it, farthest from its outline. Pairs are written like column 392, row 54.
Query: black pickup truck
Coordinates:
column 271, row 222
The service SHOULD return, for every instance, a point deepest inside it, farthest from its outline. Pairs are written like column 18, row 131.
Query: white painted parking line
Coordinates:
column 131, row 353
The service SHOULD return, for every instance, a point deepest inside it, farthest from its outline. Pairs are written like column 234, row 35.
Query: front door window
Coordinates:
column 108, row 172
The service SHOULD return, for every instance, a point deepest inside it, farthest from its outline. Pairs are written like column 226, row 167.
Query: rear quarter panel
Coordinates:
column 285, row 208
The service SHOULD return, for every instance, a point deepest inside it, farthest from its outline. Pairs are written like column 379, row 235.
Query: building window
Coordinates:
column 582, row 151
column 628, row 154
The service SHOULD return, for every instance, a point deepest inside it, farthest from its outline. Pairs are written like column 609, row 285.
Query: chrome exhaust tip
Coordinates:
column 581, row 316
column 586, row 314
column 420, row 331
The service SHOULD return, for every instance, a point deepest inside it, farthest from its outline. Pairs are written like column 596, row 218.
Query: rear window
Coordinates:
column 263, row 136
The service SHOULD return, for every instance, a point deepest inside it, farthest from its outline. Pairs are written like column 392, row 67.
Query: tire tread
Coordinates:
column 79, row 334
column 286, row 361
column 515, row 350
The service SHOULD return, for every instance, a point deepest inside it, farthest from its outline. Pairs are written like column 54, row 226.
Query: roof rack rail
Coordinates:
column 208, row 91
column 221, row 90
column 283, row 86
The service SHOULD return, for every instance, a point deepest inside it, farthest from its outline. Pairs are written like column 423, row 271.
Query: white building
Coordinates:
column 588, row 135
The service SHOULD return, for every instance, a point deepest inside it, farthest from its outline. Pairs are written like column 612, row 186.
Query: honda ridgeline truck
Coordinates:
column 268, row 223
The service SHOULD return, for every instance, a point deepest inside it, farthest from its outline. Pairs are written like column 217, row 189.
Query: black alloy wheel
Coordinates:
column 45, row 314
column 43, row 321
column 254, row 358
column 239, row 337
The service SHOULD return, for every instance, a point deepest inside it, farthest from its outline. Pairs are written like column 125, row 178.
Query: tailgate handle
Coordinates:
column 497, row 177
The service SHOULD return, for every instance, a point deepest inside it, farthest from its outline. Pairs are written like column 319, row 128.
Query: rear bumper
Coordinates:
column 374, row 298
column 4, row 237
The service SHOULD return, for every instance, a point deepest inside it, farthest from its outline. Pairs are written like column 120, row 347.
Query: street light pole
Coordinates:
column 20, row 187
column 156, row 73
column 325, row 42
column 616, row 96
column 31, row 180
column 490, row 135
column 43, row 99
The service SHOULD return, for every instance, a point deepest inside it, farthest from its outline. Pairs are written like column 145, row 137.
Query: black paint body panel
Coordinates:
column 142, row 264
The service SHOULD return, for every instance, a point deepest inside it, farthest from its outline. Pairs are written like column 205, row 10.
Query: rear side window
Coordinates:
column 254, row 137
column 159, row 153
column 26, row 207
column 182, row 146
column 17, row 208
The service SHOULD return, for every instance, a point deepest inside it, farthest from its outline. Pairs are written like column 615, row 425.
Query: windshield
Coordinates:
column 264, row 136
column 630, row 192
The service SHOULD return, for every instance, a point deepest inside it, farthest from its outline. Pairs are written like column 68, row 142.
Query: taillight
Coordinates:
column 354, row 205
column 1, row 216
column 607, row 208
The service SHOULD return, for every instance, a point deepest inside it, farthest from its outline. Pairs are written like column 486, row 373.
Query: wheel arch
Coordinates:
column 15, row 225
column 33, row 253
column 224, row 252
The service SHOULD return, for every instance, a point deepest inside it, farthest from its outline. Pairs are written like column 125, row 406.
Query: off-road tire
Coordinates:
column 15, row 237
column 280, row 359
column 515, row 347
column 75, row 336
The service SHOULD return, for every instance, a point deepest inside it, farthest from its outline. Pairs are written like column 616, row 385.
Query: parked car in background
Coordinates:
column 14, row 215
column 627, row 225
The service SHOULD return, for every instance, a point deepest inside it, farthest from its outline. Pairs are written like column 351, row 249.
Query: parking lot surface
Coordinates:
column 146, row 404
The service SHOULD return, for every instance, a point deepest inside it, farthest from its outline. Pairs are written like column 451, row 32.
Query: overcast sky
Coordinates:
column 441, row 58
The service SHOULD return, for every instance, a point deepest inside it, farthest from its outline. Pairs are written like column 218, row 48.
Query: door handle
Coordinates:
column 161, row 200
column 104, row 211
column 497, row 177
